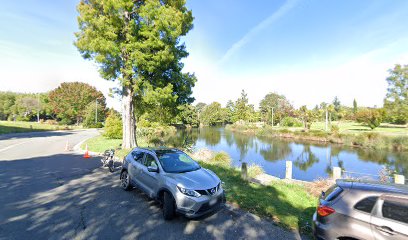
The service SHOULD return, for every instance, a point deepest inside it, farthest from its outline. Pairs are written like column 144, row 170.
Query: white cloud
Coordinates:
column 285, row 8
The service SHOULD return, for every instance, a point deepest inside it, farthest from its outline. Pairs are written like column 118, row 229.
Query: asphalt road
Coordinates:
column 49, row 193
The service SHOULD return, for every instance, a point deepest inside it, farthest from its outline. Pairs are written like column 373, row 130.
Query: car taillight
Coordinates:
column 324, row 211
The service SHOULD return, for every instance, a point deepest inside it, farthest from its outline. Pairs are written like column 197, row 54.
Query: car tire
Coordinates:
column 125, row 181
column 168, row 206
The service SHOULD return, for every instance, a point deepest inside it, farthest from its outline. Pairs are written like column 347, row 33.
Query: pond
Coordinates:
column 310, row 160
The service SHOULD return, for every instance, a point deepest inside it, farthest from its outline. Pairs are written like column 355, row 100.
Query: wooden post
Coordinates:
column 336, row 173
column 288, row 174
column 399, row 179
column 244, row 171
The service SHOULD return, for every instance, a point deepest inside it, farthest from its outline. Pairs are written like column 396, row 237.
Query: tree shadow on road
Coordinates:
column 65, row 196
column 45, row 133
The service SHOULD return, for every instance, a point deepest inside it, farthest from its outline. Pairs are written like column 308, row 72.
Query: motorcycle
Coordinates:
column 108, row 159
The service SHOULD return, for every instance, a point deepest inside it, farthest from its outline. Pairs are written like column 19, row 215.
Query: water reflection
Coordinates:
column 310, row 160
column 244, row 143
column 306, row 158
column 276, row 150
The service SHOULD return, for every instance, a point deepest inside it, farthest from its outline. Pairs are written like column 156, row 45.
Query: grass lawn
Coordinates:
column 354, row 127
column 289, row 205
column 18, row 127
column 100, row 144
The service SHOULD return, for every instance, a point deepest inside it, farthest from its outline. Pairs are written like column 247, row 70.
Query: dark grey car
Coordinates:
column 174, row 179
column 362, row 210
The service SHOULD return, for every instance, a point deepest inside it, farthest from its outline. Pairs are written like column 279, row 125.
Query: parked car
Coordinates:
column 362, row 210
column 171, row 177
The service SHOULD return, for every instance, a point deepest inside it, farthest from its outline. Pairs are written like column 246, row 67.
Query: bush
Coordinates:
column 335, row 129
column 113, row 127
column 94, row 125
column 371, row 117
column 399, row 143
column 255, row 170
column 221, row 159
column 66, row 121
column 290, row 122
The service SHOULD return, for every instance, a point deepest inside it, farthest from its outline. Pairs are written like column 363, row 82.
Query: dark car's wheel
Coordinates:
column 168, row 206
column 125, row 181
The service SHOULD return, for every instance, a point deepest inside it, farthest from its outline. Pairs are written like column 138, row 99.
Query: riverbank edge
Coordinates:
column 365, row 140
column 263, row 195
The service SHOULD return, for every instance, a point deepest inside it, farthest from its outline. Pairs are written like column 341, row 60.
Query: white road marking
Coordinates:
column 14, row 145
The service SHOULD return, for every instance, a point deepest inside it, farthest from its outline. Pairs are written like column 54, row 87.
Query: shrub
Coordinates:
column 113, row 127
column 399, row 143
column 290, row 122
column 94, row 125
column 371, row 117
column 334, row 129
column 255, row 170
column 51, row 122
column 221, row 159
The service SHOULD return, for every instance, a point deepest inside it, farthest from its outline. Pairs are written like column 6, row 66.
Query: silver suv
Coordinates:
column 362, row 210
column 171, row 177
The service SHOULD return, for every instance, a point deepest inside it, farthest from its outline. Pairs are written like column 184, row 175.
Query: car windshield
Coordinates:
column 176, row 161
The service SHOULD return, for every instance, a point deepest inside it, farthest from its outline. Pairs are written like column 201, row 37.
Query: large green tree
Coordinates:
column 188, row 115
column 211, row 114
column 242, row 110
column 396, row 100
column 137, row 42
column 281, row 107
column 70, row 100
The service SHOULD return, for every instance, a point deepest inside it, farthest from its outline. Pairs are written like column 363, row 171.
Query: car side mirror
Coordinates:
column 152, row 169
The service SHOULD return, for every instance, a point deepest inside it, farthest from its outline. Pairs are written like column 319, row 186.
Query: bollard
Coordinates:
column 336, row 173
column 288, row 174
column 244, row 171
column 399, row 179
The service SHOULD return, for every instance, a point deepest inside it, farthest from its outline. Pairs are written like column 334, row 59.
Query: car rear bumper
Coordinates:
column 322, row 231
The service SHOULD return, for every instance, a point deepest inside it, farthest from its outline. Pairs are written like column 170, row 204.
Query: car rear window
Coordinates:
column 366, row 205
column 332, row 193
column 395, row 209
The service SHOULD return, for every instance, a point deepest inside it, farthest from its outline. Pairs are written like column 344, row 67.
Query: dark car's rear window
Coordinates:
column 332, row 193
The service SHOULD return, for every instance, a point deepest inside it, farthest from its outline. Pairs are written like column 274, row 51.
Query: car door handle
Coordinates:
column 386, row 230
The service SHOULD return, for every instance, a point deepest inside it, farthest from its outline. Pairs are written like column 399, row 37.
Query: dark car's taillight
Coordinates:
column 324, row 211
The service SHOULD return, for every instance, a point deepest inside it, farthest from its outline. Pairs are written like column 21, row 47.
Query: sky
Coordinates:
column 309, row 51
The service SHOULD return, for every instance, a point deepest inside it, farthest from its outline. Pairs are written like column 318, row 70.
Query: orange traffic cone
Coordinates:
column 86, row 152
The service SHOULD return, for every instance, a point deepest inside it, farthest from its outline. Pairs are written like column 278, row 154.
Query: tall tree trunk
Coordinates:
column 128, row 119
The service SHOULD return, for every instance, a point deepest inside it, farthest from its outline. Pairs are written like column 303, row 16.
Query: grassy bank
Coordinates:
column 19, row 127
column 289, row 205
column 348, row 133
